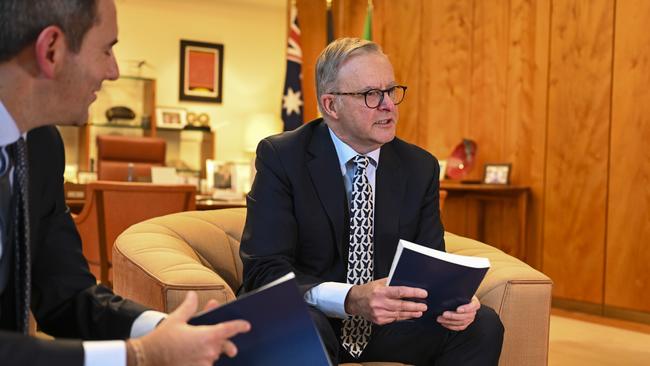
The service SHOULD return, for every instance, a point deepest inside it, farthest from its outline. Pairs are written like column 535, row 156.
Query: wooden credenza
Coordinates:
column 470, row 208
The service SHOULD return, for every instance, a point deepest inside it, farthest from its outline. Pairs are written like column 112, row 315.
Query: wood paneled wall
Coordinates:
column 557, row 88
column 577, row 145
column 627, row 271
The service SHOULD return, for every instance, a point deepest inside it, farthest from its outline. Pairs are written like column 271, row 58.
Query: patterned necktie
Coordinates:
column 356, row 330
column 21, row 239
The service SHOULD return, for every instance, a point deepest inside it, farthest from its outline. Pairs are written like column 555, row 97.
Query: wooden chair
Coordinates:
column 127, row 157
column 111, row 207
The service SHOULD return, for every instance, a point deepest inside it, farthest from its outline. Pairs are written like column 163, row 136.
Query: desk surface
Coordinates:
column 454, row 186
column 75, row 200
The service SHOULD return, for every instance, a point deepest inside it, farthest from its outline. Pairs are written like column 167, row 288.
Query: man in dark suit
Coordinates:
column 330, row 201
column 54, row 56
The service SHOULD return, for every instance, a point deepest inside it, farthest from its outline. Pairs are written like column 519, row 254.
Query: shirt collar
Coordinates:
column 9, row 132
column 345, row 152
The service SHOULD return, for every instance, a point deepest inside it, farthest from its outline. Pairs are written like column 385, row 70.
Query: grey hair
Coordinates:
column 333, row 56
column 21, row 22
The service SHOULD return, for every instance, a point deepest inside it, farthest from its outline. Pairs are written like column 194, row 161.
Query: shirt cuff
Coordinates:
column 146, row 322
column 104, row 353
column 329, row 297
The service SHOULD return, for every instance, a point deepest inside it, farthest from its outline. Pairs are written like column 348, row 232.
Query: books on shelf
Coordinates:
column 450, row 279
column 282, row 331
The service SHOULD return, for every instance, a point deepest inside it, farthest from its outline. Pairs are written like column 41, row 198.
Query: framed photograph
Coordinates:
column 167, row 117
column 201, row 71
column 497, row 174
column 443, row 169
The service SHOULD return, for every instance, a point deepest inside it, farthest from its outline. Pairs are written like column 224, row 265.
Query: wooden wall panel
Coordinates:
column 627, row 281
column 525, row 127
column 311, row 18
column 577, row 147
column 487, row 111
column 445, row 75
column 488, row 80
column 349, row 17
column 397, row 30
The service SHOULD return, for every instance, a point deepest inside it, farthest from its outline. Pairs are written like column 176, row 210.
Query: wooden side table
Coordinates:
column 485, row 193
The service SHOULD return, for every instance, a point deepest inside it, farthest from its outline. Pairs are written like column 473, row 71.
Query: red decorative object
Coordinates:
column 462, row 159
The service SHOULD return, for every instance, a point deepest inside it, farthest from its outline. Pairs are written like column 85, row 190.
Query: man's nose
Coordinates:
column 387, row 103
column 113, row 71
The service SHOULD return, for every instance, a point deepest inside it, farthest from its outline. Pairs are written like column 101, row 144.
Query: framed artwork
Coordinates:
column 167, row 117
column 201, row 71
column 497, row 174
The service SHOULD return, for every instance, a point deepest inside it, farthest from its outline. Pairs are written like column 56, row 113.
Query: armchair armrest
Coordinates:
column 157, row 261
column 520, row 295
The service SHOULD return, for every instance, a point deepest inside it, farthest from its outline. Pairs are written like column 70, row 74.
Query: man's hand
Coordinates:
column 174, row 342
column 462, row 317
column 382, row 304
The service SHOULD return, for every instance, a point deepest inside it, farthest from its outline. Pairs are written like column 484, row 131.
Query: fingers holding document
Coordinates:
column 461, row 318
column 174, row 342
column 382, row 304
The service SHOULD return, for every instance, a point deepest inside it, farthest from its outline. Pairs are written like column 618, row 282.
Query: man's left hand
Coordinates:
column 462, row 317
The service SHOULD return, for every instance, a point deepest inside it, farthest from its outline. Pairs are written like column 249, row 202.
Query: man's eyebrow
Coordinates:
column 388, row 86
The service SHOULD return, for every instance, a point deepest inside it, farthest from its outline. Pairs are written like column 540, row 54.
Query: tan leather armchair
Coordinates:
column 155, row 262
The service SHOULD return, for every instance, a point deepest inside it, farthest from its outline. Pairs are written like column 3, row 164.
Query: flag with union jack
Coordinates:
column 292, row 100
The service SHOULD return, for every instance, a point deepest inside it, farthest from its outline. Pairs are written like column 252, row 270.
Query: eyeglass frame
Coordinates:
column 381, row 99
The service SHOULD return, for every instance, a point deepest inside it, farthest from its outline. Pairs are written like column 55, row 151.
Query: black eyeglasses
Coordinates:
column 374, row 97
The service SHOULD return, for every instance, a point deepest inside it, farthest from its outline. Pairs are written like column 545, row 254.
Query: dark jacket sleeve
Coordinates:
column 430, row 229
column 19, row 350
column 270, row 238
column 66, row 300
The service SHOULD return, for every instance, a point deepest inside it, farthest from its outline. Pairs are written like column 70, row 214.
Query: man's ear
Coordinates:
column 50, row 49
column 328, row 102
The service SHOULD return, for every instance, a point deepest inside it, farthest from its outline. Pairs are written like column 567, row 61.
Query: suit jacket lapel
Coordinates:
column 326, row 177
column 390, row 185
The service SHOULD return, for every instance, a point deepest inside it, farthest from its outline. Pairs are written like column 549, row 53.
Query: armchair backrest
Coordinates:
column 111, row 207
column 121, row 156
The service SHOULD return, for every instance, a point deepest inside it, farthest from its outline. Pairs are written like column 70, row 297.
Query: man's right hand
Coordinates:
column 174, row 342
column 382, row 304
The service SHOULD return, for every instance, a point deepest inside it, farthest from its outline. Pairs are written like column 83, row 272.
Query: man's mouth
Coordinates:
column 384, row 121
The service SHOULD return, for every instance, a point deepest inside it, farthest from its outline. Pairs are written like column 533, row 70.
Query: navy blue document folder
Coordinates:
column 450, row 279
column 282, row 331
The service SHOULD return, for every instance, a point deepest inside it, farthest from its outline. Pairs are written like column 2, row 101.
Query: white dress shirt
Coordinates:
column 329, row 297
column 96, row 353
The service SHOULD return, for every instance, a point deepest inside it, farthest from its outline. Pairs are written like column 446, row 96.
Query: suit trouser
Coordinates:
column 421, row 343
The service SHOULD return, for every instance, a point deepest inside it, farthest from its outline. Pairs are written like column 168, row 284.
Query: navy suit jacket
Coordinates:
column 66, row 300
column 297, row 218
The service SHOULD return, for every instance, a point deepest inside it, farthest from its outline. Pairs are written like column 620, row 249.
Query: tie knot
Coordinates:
column 361, row 161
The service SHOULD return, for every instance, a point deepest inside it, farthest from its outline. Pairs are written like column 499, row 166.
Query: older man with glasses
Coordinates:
column 330, row 202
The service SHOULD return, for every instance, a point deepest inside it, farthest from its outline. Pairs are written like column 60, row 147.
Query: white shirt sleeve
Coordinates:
column 146, row 322
column 329, row 297
column 104, row 353
column 113, row 353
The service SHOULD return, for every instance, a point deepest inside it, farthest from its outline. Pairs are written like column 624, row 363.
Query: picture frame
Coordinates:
column 497, row 173
column 170, row 117
column 201, row 71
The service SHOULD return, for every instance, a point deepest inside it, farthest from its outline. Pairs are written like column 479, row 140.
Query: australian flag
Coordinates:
column 292, row 101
